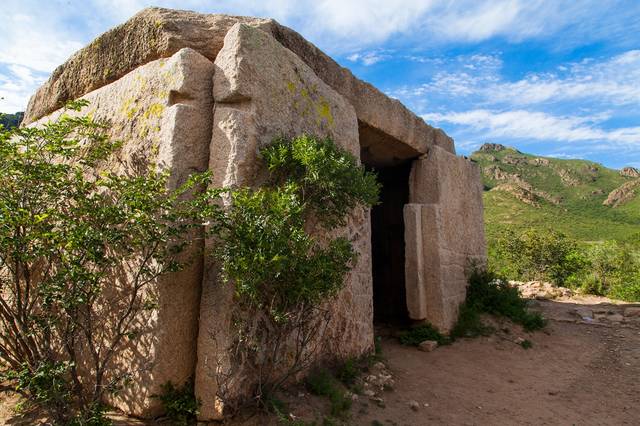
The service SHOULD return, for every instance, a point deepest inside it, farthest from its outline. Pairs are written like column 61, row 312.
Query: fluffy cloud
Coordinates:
column 521, row 124
column 369, row 58
column 614, row 80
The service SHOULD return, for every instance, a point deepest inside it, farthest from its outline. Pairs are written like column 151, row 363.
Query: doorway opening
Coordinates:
column 388, row 246
column 391, row 159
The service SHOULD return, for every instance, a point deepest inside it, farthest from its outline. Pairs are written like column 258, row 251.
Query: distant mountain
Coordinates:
column 580, row 198
column 11, row 120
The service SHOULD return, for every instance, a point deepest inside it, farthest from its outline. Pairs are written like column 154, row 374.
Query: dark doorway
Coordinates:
column 387, row 245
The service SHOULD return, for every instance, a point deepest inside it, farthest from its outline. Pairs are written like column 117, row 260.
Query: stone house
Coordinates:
column 205, row 92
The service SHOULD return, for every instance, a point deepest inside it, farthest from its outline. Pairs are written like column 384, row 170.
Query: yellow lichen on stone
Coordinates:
column 142, row 82
column 154, row 110
column 127, row 108
column 323, row 110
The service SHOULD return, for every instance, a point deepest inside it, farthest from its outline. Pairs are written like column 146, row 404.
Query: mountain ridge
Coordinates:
column 581, row 198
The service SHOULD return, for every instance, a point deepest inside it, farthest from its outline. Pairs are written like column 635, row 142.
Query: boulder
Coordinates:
column 428, row 345
column 623, row 194
column 631, row 172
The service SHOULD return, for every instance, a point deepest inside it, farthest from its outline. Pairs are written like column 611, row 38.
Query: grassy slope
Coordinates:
column 580, row 214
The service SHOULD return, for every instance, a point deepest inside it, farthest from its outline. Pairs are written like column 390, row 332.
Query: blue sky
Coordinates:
column 550, row 77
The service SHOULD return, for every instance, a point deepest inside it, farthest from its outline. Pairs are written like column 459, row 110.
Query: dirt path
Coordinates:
column 577, row 372
column 583, row 369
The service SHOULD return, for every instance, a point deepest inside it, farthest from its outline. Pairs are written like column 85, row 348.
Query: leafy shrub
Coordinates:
column 469, row 323
column 329, row 180
column 322, row 383
column 537, row 255
column 179, row 403
column 627, row 291
column 46, row 384
column 491, row 294
column 418, row 334
column 613, row 270
column 67, row 230
column 607, row 268
column 348, row 372
column 282, row 272
column 274, row 264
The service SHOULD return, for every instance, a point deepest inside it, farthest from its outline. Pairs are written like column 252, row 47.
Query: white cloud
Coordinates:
column 522, row 124
column 29, row 42
column 40, row 34
column 369, row 58
column 16, row 85
column 614, row 81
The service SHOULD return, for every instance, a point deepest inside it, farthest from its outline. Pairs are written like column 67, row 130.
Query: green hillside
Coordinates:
column 11, row 120
column 524, row 191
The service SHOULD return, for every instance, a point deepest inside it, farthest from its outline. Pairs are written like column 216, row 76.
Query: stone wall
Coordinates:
column 261, row 91
column 444, row 235
column 162, row 112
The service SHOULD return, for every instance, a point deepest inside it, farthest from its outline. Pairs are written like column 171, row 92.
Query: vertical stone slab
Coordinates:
column 162, row 113
column 446, row 194
column 263, row 90
column 414, row 262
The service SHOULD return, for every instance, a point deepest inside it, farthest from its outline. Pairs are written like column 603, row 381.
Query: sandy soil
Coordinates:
column 580, row 371
column 576, row 373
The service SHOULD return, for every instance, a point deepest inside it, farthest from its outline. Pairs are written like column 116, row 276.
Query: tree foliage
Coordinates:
column 538, row 255
column 606, row 268
column 282, row 272
column 67, row 232
column 9, row 121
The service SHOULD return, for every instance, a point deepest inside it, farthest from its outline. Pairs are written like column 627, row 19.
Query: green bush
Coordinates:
column 469, row 323
column 276, row 248
column 67, row 230
column 274, row 264
column 537, row 255
column 607, row 268
column 179, row 403
column 489, row 294
column 420, row 333
column 329, row 181
column 348, row 372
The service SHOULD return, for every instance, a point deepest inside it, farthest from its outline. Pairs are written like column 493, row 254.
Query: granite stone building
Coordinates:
column 198, row 92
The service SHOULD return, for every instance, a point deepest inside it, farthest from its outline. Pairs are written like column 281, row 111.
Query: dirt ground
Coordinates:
column 576, row 373
column 583, row 369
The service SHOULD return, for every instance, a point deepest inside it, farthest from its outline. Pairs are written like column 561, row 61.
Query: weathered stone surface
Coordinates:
column 428, row 345
column 162, row 113
column 372, row 106
column 633, row 311
column 631, row 172
column 261, row 91
column 155, row 33
column 444, row 232
column 624, row 193
column 149, row 35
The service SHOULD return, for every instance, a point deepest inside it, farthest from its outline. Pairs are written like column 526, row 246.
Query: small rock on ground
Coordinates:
column 428, row 345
